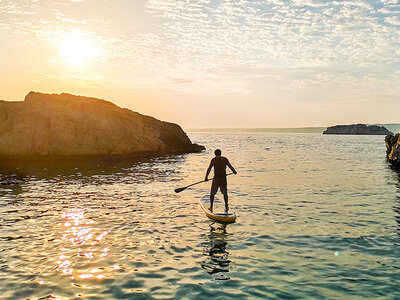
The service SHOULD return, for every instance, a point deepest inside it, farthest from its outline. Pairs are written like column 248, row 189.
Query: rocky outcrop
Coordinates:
column 361, row 129
column 47, row 125
column 393, row 148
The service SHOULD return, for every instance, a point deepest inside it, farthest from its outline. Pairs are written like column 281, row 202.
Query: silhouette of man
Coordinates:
column 219, row 163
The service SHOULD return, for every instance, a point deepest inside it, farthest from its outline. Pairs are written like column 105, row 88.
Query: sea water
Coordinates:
column 318, row 216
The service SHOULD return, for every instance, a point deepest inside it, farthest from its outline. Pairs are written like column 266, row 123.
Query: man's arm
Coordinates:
column 209, row 170
column 230, row 166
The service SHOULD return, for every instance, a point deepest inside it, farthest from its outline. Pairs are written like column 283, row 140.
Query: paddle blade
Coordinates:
column 178, row 190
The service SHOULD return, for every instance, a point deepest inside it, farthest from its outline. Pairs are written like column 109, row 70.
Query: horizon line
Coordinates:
column 297, row 127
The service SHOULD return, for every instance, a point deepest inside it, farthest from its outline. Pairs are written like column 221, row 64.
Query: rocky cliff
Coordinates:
column 66, row 125
column 393, row 148
column 357, row 129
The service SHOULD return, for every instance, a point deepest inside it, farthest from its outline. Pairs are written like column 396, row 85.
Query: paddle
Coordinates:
column 178, row 190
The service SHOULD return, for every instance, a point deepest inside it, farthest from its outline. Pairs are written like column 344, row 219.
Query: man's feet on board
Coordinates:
column 210, row 209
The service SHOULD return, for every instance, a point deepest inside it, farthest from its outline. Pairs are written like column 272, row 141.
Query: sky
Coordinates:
column 211, row 63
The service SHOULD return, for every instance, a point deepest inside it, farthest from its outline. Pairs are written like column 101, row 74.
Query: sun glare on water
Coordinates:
column 77, row 50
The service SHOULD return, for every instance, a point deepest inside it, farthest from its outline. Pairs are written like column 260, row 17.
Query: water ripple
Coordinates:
column 318, row 217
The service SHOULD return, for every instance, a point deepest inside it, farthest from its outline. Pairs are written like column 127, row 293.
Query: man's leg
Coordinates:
column 214, row 189
column 226, row 202
column 224, row 191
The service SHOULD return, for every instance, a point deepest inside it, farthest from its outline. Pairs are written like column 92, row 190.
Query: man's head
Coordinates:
column 217, row 152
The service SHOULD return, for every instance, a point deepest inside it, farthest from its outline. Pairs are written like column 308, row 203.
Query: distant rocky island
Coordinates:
column 58, row 125
column 360, row 129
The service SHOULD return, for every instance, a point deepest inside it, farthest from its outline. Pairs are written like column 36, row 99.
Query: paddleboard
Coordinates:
column 220, row 217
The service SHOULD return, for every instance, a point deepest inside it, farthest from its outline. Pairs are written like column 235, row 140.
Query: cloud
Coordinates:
column 230, row 41
column 393, row 20
column 390, row 2
column 304, row 32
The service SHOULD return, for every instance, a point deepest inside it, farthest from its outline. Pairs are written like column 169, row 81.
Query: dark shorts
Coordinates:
column 219, row 182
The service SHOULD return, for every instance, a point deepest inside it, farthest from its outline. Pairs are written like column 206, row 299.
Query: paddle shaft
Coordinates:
column 184, row 188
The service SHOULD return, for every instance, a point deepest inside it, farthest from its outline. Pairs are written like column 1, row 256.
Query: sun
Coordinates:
column 77, row 50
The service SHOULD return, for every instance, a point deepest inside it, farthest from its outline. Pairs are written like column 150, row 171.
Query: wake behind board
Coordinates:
column 221, row 217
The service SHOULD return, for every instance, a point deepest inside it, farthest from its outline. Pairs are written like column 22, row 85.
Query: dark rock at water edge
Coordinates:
column 359, row 129
column 393, row 148
column 11, row 181
column 68, row 126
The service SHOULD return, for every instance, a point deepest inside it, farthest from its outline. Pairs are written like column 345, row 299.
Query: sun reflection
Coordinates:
column 83, row 245
column 77, row 49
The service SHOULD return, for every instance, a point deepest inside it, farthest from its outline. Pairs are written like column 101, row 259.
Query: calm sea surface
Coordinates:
column 318, row 217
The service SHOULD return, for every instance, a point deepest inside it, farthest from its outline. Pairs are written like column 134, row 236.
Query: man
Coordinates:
column 219, row 163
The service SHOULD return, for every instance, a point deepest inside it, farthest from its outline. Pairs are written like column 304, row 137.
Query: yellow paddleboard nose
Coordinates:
column 220, row 217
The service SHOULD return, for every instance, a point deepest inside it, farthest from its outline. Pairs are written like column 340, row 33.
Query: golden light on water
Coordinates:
column 82, row 242
column 76, row 50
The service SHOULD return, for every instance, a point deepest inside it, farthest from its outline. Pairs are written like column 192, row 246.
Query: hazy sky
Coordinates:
column 205, row 63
